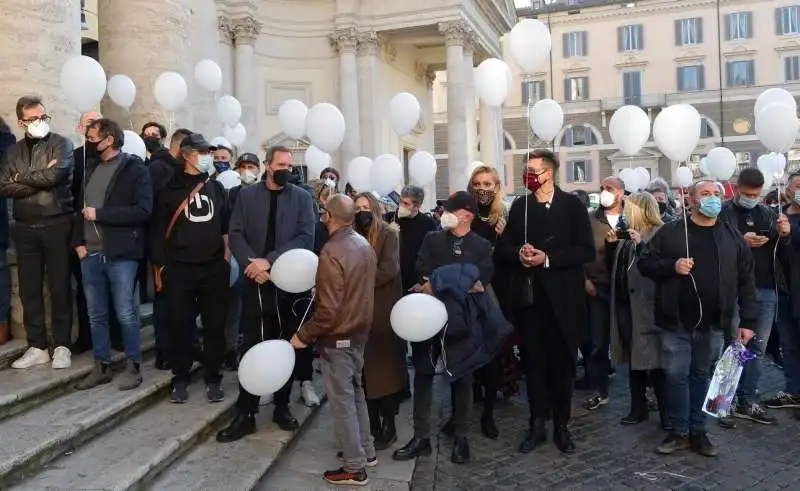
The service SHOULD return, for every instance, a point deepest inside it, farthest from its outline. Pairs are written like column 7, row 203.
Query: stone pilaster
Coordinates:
column 226, row 55
column 470, row 103
column 455, row 34
column 368, row 85
column 345, row 41
column 245, row 33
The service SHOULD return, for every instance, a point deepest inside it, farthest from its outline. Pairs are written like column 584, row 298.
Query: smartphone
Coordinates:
column 623, row 234
column 765, row 233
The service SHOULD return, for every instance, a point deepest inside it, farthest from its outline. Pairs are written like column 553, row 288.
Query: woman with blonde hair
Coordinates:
column 634, row 336
column 384, row 356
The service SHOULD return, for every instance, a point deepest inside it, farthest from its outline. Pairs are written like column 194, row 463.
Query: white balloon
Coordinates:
column 766, row 163
column 768, row 180
column 266, row 367
column 358, row 173
column 221, row 141
column 122, row 90
column 644, row 177
column 229, row 179
column 292, row 118
column 422, row 168
column 780, row 165
column 83, row 81
column 629, row 128
column 418, row 317
column 776, row 127
column 529, row 44
column 325, row 127
column 229, row 110
column 385, row 174
column 630, row 178
column 295, row 271
column 676, row 131
column 404, row 113
column 316, row 160
column 684, row 176
column 234, row 276
column 492, row 79
column 774, row 96
column 236, row 135
column 170, row 90
column 208, row 75
column 546, row 119
column 721, row 163
column 704, row 167
column 134, row 145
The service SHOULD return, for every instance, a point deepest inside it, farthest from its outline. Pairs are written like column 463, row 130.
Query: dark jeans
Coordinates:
column 5, row 287
column 47, row 249
column 789, row 329
column 689, row 357
column 189, row 288
column 751, row 374
column 598, row 364
column 423, row 398
column 84, row 340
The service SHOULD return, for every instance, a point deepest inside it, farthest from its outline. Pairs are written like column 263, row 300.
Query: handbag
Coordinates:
column 158, row 270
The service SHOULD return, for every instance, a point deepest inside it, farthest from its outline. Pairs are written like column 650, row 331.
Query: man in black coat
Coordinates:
column 7, row 139
column 547, row 254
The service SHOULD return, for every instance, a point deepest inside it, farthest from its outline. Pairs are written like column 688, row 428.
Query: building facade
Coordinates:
column 717, row 55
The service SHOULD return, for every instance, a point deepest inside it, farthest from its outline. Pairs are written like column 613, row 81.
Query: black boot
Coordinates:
column 413, row 449
column 448, row 429
column 374, row 412
column 162, row 360
column 244, row 424
column 534, row 436
column 460, row 450
column 658, row 378
column 488, row 426
column 387, row 435
column 563, row 439
column 283, row 417
column 637, row 383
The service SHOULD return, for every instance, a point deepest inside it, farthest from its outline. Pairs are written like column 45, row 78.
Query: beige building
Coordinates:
column 715, row 54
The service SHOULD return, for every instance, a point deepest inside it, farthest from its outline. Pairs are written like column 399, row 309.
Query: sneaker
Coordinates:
column 783, row 400
column 673, row 443
column 754, row 412
column 727, row 422
column 180, row 392
column 370, row 462
column 231, row 362
column 131, row 377
column 346, row 478
column 214, row 392
column 595, row 402
column 31, row 358
column 309, row 395
column 62, row 358
column 703, row 445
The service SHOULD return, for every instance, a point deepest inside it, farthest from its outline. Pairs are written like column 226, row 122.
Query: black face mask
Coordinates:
column 364, row 219
column 151, row 143
column 662, row 207
column 90, row 150
column 281, row 177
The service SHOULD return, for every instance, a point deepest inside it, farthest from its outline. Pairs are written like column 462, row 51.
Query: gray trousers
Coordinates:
column 342, row 369
column 423, row 399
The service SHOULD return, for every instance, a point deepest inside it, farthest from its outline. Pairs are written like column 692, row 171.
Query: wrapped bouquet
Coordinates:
column 722, row 389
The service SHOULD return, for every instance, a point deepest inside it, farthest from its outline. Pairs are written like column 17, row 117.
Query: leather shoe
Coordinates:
column 563, row 439
column 488, row 426
column 244, row 424
column 636, row 416
column 387, row 435
column 449, row 428
column 283, row 417
column 534, row 437
column 460, row 450
column 413, row 449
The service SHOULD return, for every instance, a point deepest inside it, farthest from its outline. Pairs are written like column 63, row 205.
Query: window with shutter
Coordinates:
column 632, row 87
column 689, row 31
column 578, row 171
column 791, row 68
column 739, row 26
column 569, row 139
column 526, row 86
column 740, row 73
column 630, row 38
column 575, row 44
column 576, row 88
column 787, row 20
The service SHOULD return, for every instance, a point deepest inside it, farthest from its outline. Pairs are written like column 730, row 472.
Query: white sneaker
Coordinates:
column 265, row 400
column 309, row 395
column 62, row 358
column 32, row 357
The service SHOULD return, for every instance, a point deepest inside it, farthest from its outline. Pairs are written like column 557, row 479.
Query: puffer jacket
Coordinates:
column 41, row 194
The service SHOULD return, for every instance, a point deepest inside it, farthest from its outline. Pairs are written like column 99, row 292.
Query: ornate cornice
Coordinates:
column 606, row 12
column 225, row 29
column 246, row 30
column 456, row 33
column 368, row 43
column 345, row 39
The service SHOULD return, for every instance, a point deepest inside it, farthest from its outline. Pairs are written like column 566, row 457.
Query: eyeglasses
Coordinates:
column 44, row 118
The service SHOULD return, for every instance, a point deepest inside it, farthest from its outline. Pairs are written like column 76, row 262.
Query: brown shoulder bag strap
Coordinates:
column 182, row 207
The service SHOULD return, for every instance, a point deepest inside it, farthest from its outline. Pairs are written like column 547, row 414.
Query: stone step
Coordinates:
column 21, row 390
column 240, row 465
column 136, row 450
column 44, row 433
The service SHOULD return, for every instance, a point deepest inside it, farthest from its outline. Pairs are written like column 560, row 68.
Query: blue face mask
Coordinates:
column 222, row 166
column 710, row 206
column 797, row 196
column 748, row 203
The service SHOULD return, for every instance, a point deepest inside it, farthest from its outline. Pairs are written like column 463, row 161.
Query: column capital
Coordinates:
column 246, row 29
column 344, row 39
column 368, row 43
column 430, row 77
column 225, row 29
column 456, row 33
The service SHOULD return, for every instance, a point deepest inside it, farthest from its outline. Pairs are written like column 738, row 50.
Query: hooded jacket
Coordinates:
column 163, row 167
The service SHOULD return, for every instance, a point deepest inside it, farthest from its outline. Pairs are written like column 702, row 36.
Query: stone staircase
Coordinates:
column 53, row 437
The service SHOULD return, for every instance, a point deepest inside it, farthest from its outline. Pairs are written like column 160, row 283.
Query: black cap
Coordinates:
column 196, row 141
column 248, row 157
column 460, row 200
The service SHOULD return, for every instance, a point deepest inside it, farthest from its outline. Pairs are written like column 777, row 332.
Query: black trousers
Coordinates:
column 189, row 288
column 549, row 362
column 47, row 249
column 275, row 310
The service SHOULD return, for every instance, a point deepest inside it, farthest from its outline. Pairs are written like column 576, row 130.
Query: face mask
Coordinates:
column 204, row 163
column 403, row 212
column 364, row 219
column 747, row 203
column 710, row 206
column 151, row 143
column 90, row 150
column 484, row 196
column 330, row 183
column 797, row 196
column 248, row 177
column 38, row 129
column 281, row 177
column 531, row 181
column 449, row 220
column 662, row 208
column 221, row 166
column 607, row 199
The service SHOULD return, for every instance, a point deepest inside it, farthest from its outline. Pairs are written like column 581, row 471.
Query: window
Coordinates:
column 792, row 162
column 787, row 20
column 532, row 91
column 575, row 136
column 579, row 171
column 791, row 69
column 575, row 44
column 740, row 26
column 630, row 38
column 741, row 73
column 743, row 160
column 691, row 78
column 84, row 24
column 576, row 88
column 705, row 130
column 632, row 88
column 688, row 31
column 407, row 153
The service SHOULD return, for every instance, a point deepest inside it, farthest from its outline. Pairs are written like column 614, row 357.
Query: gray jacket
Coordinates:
column 247, row 231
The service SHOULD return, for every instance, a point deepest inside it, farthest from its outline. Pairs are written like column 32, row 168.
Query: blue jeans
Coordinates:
column 789, row 331
column 598, row 363
column 688, row 357
column 748, row 384
column 103, row 278
column 5, row 287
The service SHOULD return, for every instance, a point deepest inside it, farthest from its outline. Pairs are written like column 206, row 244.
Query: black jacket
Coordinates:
column 125, row 213
column 7, row 140
column 163, row 167
column 41, row 194
column 736, row 282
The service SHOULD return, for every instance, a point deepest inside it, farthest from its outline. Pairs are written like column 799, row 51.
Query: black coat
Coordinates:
column 126, row 210
column 7, row 139
column 570, row 245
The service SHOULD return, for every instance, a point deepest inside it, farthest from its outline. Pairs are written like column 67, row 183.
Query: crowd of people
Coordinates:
column 641, row 278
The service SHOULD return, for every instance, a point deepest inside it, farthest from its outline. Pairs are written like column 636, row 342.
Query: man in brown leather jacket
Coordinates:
column 340, row 328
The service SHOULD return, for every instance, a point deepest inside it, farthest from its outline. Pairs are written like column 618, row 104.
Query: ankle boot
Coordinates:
column 638, row 414
column 242, row 425
column 388, row 434
column 488, row 426
column 100, row 375
column 374, row 412
column 4, row 333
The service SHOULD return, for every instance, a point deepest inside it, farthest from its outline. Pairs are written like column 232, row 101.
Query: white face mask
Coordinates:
column 607, row 199
column 204, row 163
column 403, row 212
column 330, row 183
column 248, row 177
column 449, row 220
column 38, row 129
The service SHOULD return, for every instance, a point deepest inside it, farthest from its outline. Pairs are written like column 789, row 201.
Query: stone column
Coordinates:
column 142, row 40
column 427, row 118
column 226, row 55
column 488, row 136
column 368, row 93
column 37, row 40
column 457, row 152
column 345, row 41
column 469, row 99
column 245, row 32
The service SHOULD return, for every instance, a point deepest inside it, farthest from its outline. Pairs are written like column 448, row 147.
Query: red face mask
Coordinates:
column 531, row 180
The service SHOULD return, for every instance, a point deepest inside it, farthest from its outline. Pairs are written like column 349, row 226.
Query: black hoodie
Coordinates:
column 163, row 167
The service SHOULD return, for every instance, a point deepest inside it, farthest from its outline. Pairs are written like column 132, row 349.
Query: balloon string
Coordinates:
column 261, row 310
column 685, row 221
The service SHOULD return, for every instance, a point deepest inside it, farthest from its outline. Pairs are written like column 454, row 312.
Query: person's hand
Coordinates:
column 538, row 258
column 477, row 287
column 297, row 344
column 784, row 229
column 426, row 288
column 525, row 255
column 262, row 277
column 227, row 254
column 590, row 289
column 744, row 335
column 754, row 240
column 611, row 236
column 257, row 265
column 684, row 265
column 52, row 163
column 90, row 213
column 636, row 237
column 500, row 226
column 82, row 252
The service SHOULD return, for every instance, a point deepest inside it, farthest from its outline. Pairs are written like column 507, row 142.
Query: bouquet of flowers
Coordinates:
column 723, row 385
